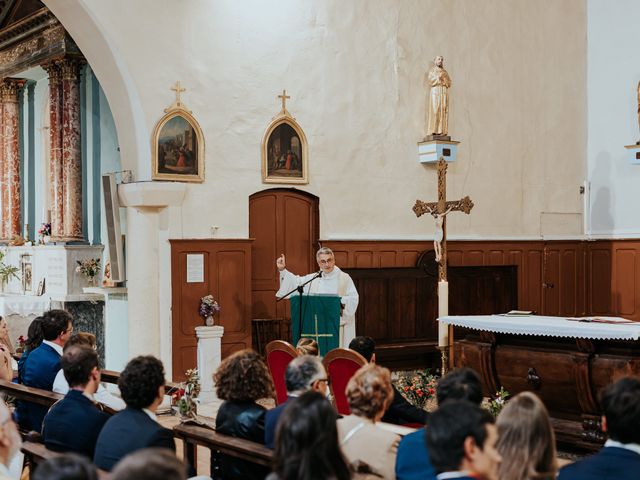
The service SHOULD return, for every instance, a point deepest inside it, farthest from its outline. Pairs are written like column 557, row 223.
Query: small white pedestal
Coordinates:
column 430, row 151
column 209, row 358
column 633, row 153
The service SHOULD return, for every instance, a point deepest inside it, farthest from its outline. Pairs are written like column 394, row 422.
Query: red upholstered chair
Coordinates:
column 341, row 364
column 279, row 354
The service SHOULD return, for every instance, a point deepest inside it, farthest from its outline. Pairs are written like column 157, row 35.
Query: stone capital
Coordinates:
column 209, row 332
column 70, row 68
column 151, row 194
column 9, row 89
column 53, row 70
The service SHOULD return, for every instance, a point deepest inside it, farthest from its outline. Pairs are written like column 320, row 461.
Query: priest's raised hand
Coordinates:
column 280, row 263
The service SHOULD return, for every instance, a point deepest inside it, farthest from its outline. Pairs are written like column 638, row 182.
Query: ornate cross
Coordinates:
column 316, row 335
column 284, row 97
column 439, row 210
column 176, row 88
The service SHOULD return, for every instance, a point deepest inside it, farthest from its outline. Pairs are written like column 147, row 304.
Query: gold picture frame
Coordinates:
column 178, row 145
column 285, row 157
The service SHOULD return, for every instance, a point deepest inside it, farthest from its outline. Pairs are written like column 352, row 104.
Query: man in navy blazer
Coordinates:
column 412, row 460
column 620, row 456
column 73, row 424
column 302, row 374
column 461, row 439
column 42, row 365
column 142, row 387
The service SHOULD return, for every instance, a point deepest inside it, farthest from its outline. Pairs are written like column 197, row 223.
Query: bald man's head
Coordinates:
column 10, row 441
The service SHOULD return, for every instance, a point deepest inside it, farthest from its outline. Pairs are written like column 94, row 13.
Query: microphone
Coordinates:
column 319, row 274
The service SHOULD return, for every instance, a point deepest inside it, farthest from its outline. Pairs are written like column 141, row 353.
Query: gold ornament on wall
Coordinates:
column 178, row 144
column 284, row 149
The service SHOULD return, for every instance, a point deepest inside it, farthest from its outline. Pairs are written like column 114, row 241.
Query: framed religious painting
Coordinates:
column 284, row 152
column 178, row 146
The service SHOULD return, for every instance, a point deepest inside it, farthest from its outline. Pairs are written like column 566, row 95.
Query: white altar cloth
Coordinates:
column 587, row 327
column 23, row 305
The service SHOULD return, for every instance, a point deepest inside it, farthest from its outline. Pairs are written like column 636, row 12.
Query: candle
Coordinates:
column 443, row 311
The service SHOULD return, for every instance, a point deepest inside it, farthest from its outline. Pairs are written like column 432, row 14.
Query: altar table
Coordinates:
column 565, row 361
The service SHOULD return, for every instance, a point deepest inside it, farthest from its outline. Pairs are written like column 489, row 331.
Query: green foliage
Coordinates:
column 7, row 271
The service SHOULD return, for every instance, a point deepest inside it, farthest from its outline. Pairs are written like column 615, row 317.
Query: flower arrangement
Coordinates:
column 208, row 306
column 88, row 267
column 45, row 230
column 20, row 344
column 7, row 272
column 417, row 387
column 497, row 403
column 185, row 398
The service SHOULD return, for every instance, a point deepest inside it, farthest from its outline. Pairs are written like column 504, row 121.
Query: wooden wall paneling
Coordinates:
column 227, row 277
column 599, row 278
column 624, row 287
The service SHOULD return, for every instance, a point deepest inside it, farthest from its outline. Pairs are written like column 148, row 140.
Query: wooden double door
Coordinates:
column 281, row 221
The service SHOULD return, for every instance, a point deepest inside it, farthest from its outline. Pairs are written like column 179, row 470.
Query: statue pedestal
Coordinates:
column 432, row 148
column 209, row 358
column 633, row 153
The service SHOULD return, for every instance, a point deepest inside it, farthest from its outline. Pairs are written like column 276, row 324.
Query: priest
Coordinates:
column 332, row 281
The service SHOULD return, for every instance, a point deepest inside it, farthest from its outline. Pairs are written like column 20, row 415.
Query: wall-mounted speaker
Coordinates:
column 114, row 236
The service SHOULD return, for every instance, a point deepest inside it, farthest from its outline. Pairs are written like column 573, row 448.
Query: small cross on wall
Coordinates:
column 284, row 97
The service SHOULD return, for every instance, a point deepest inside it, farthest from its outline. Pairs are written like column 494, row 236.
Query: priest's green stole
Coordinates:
column 316, row 317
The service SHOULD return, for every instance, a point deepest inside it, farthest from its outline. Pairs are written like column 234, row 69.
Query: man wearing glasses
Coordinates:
column 332, row 281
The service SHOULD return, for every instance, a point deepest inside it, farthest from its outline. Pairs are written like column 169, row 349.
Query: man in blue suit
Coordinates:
column 73, row 424
column 461, row 439
column 303, row 373
column 142, row 387
column 42, row 365
column 412, row 461
column 619, row 459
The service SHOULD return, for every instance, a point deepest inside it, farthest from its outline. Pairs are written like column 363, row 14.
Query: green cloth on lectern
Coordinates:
column 320, row 320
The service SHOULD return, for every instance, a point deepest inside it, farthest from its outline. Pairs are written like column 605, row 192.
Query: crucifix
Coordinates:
column 178, row 103
column 284, row 97
column 439, row 211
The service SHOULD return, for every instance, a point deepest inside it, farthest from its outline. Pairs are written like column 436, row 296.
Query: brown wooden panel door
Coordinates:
column 227, row 276
column 625, row 287
column 281, row 220
column 564, row 282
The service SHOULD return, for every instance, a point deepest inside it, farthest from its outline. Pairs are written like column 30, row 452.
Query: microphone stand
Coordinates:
column 300, row 290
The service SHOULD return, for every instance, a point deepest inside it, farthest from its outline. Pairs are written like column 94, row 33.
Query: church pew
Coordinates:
column 111, row 376
column 30, row 394
column 194, row 435
column 35, row 453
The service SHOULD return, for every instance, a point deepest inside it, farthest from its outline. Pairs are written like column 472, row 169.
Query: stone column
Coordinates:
column 71, row 153
column 11, row 218
column 56, row 182
column 145, row 203
column 209, row 358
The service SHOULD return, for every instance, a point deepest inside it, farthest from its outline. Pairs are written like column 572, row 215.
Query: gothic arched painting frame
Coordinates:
column 178, row 148
column 284, row 152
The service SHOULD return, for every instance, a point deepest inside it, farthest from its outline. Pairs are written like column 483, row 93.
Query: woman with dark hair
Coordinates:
column 35, row 335
column 307, row 442
column 525, row 440
column 241, row 379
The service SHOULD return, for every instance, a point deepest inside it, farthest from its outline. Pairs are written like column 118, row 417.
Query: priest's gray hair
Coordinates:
column 324, row 251
column 301, row 372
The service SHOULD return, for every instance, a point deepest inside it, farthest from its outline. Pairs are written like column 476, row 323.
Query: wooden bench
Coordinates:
column 30, row 394
column 194, row 435
column 35, row 453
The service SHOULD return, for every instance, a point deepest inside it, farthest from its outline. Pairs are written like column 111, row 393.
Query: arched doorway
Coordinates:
column 281, row 220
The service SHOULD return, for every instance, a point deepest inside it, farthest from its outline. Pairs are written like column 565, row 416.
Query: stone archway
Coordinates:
column 115, row 80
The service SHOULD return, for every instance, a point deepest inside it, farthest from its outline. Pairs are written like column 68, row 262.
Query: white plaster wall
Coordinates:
column 613, row 75
column 355, row 71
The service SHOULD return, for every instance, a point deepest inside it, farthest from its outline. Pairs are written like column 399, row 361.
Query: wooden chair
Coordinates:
column 279, row 354
column 341, row 364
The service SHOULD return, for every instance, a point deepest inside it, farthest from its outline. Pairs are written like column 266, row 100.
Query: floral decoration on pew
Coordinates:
column 20, row 344
column 185, row 399
column 208, row 307
column 497, row 403
column 418, row 386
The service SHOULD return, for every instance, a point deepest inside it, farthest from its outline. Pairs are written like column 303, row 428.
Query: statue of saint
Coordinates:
column 438, row 109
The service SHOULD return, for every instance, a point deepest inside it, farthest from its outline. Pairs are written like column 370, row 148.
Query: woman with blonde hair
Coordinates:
column 307, row 346
column 526, row 440
column 366, row 446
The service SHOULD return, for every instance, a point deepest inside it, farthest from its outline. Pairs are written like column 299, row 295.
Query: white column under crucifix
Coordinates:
column 439, row 210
